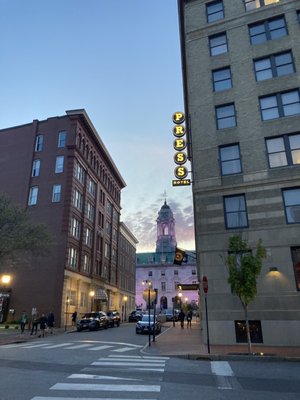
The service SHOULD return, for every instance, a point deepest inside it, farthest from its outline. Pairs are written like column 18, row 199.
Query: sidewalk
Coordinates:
column 188, row 343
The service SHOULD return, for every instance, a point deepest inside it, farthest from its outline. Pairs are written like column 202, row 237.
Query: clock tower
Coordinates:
column 166, row 240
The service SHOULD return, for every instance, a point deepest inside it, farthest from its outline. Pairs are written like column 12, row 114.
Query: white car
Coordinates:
column 143, row 326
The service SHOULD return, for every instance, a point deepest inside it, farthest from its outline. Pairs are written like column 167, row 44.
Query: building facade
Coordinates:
column 158, row 267
column 61, row 172
column 241, row 74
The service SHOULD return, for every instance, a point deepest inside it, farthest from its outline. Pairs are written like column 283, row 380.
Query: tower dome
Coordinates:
column 166, row 239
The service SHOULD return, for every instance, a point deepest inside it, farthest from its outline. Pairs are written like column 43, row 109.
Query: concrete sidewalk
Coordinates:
column 188, row 343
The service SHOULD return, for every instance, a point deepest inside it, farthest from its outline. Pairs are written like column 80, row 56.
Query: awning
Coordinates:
column 101, row 295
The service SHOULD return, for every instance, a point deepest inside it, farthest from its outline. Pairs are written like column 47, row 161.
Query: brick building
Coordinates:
column 61, row 172
column 241, row 64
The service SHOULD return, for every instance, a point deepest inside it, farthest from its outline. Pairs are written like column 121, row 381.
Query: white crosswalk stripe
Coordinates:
column 113, row 384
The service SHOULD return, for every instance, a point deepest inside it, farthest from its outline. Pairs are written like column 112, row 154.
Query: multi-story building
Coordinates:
column 158, row 267
column 61, row 172
column 241, row 74
column 127, row 252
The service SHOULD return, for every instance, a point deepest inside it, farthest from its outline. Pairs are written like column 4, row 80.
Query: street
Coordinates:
column 113, row 364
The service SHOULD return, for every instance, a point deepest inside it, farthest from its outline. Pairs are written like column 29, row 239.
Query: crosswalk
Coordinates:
column 78, row 345
column 107, row 384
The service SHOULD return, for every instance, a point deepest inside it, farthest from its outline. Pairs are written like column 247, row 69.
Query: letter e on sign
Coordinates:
column 205, row 284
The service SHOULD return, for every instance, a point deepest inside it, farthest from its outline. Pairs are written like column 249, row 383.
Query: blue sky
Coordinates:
column 120, row 61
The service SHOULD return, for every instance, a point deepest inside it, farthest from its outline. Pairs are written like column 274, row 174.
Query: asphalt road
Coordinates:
column 113, row 364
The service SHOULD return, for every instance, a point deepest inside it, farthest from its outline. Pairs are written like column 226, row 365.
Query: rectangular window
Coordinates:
column 56, row 193
column 33, row 196
column 83, row 299
column 222, row 79
column 214, row 11
column 39, row 143
column 36, row 168
column 176, row 272
column 253, row 4
column 106, row 250
column 59, row 164
column 255, row 331
column 72, row 257
column 88, row 237
column 274, row 66
column 296, row 262
column 75, row 228
column 163, row 286
column 271, row 29
column 90, row 211
column 79, row 172
column 291, row 199
column 193, row 272
column 86, row 263
column 280, row 105
column 235, row 212
column 62, row 136
column 225, row 116
column 77, row 199
column 163, row 273
column 284, row 150
column 149, row 273
column 230, row 159
column 91, row 186
column 218, row 44
column 176, row 284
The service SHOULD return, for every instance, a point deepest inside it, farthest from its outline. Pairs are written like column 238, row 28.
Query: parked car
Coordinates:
column 114, row 318
column 169, row 314
column 93, row 321
column 143, row 326
column 135, row 316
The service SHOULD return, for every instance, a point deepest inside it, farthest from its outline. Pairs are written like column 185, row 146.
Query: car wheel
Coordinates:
column 136, row 331
column 106, row 325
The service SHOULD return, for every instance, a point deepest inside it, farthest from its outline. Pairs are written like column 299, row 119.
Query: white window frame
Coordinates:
column 33, row 195
column 56, row 193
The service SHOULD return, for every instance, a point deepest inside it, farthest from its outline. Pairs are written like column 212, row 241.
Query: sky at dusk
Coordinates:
column 120, row 61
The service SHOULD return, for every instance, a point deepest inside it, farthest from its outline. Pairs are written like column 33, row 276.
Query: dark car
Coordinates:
column 135, row 316
column 114, row 318
column 143, row 325
column 93, row 321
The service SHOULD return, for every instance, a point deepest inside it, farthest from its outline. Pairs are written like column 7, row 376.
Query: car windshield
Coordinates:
column 90, row 315
column 146, row 318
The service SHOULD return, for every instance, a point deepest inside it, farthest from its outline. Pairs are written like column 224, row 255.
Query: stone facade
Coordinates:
column 259, row 184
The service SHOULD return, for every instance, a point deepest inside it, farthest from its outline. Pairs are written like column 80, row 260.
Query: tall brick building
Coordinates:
column 241, row 74
column 61, row 172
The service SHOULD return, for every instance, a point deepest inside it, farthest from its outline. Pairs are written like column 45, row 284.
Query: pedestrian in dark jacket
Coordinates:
column 23, row 321
column 50, row 322
column 181, row 317
column 35, row 323
column 43, row 325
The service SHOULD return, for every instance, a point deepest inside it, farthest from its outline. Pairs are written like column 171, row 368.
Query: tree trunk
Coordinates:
column 247, row 328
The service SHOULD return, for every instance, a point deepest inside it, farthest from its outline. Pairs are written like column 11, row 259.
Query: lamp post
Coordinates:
column 148, row 283
column 125, row 298
column 4, row 297
column 92, row 294
column 67, row 310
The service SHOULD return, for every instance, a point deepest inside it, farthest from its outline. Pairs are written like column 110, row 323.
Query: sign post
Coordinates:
column 205, row 289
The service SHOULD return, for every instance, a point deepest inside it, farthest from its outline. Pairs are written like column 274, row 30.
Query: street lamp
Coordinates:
column 67, row 309
column 4, row 296
column 92, row 294
column 125, row 298
column 5, row 280
column 149, row 283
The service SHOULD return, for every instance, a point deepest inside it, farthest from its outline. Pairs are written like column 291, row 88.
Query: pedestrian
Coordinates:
column 23, row 321
column 34, row 323
column 74, row 318
column 189, row 318
column 43, row 325
column 50, row 322
column 181, row 317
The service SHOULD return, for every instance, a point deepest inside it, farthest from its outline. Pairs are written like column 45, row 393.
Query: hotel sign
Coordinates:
column 180, row 157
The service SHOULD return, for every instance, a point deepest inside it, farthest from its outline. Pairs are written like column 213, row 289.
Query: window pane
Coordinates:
column 296, row 156
column 236, row 203
column 263, row 69
column 292, row 197
column 275, row 145
column 218, row 44
column 236, row 220
column 231, row 167
column 294, row 141
column 222, row 79
column 290, row 97
column 215, row 11
column 277, row 160
column 230, row 153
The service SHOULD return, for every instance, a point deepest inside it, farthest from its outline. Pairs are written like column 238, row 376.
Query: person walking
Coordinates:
column 189, row 319
column 43, row 325
column 181, row 317
column 34, row 323
column 50, row 322
column 74, row 318
column 23, row 321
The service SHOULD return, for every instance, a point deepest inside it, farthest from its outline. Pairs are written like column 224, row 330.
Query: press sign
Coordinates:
column 180, row 157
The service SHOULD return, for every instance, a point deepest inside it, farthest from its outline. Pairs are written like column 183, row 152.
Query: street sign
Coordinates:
column 205, row 284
